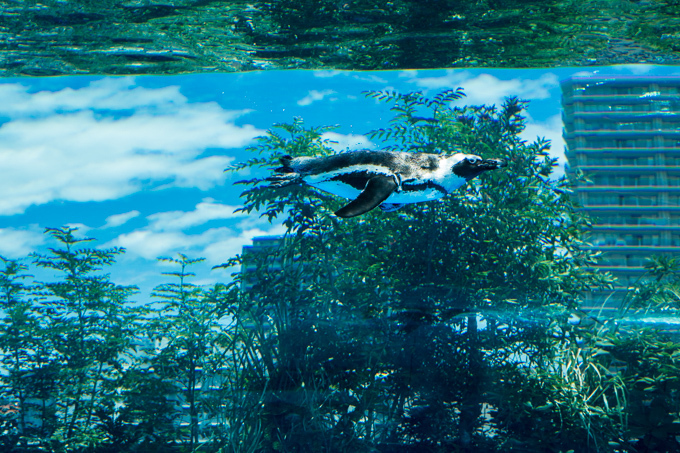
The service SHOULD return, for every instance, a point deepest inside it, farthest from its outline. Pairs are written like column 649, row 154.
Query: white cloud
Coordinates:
column 205, row 211
column 315, row 95
column 120, row 219
column 409, row 73
column 368, row 77
column 634, row 68
column 81, row 229
column 111, row 93
column 347, row 141
column 220, row 249
column 164, row 235
column 326, row 74
column 217, row 245
column 486, row 88
column 153, row 244
column 365, row 76
column 69, row 145
column 550, row 129
column 584, row 73
column 19, row 242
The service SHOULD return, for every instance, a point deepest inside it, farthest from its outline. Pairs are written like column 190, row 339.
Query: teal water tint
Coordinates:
column 183, row 36
column 450, row 326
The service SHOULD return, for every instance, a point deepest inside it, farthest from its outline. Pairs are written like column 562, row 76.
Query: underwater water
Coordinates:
column 182, row 36
column 162, row 293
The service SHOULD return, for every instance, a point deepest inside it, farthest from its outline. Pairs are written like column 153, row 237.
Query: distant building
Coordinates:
column 249, row 255
column 624, row 134
column 268, row 248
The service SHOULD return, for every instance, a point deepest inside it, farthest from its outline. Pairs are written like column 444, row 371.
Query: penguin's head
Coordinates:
column 470, row 166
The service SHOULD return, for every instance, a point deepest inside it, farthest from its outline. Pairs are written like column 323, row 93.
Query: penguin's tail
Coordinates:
column 286, row 161
column 278, row 181
column 289, row 177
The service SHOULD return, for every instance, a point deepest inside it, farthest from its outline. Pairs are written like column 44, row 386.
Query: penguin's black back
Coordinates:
column 397, row 162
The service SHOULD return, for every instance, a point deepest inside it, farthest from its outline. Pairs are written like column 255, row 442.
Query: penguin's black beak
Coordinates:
column 473, row 166
column 493, row 164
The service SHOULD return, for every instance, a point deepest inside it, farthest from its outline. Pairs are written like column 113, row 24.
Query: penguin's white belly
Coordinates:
column 398, row 197
column 336, row 188
column 406, row 197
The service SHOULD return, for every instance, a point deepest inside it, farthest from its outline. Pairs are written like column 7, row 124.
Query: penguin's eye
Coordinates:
column 474, row 160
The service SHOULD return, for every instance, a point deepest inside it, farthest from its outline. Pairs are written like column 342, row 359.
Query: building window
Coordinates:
column 600, row 143
column 645, row 160
column 622, row 108
column 638, row 200
column 672, row 105
column 668, row 89
column 602, row 200
column 646, row 180
column 648, row 239
column 635, row 260
column 590, row 126
column 598, row 90
column 595, row 107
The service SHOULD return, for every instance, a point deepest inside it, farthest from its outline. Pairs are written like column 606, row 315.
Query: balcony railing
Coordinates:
column 629, row 208
column 633, row 168
column 642, row 228
column 643, row 95
column 629, row 149
column 629, row 188
column 635, row 248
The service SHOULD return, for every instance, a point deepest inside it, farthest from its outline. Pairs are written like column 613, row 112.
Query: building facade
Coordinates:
column 249, row 254
column 624, row 134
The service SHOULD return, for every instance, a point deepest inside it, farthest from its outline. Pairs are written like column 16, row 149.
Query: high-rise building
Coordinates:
column 260, row 244
column 624, row 134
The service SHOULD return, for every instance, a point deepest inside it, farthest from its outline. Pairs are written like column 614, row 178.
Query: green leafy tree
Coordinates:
column 658, row 290
column 188, row 334
column 370, row 335
column 648, row 362
column 645, row 359
column 87, row 325
column 19, row 343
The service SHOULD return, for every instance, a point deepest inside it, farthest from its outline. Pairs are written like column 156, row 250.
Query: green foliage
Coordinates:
column 648, row 360
column 658, row 290
column 87, row 325
column 19, row 340
column 376, row 315
column 433, row 133
column 188, row 351
column 297, row 202
column 441, row 327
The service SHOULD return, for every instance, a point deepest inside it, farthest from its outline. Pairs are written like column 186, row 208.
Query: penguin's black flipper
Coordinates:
column 377, row 190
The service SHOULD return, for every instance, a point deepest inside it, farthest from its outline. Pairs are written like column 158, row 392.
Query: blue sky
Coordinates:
column 138, row 162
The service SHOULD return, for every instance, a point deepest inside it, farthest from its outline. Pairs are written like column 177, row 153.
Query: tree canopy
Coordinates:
column 444, row 326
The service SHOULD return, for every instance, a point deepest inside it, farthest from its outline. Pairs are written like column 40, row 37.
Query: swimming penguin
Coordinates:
column 383, row 178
